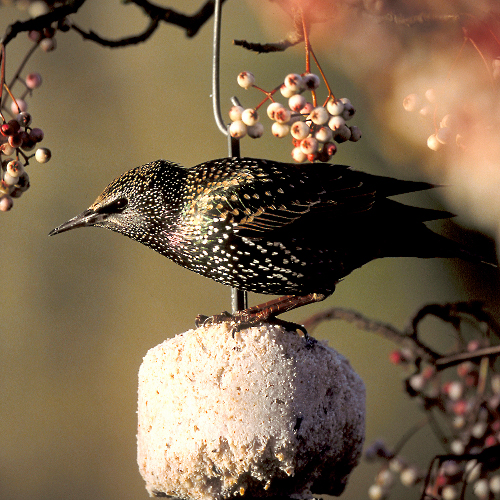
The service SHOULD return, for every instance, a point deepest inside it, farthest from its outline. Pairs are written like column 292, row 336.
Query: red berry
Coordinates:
column 6, row 130
column 15, row 140
column 460, row 407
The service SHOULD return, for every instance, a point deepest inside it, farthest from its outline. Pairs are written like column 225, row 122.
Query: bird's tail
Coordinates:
column 424, row 243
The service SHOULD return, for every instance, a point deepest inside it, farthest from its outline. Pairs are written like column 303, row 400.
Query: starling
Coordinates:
column 268, row 227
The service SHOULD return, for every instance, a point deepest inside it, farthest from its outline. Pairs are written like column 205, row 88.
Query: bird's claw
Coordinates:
column 241, row 320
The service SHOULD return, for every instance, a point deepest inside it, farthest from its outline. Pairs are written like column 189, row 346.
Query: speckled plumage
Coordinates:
column 265, row 226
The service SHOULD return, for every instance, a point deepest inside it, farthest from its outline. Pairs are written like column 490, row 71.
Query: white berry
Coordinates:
column 237, row 129
column 355, row 133
column 309, row 145
column 245, row 79
column 411, row 102
column 324, row 134
column 433, row 143
column 235, row 113
column 349, row 111
column 335, row 107
column 342, row 134
column 336, row 122
column 293, row 81
column 280, row 130
column 273, row 108
column 319, row 115
column 250, row 117
column 255, row 131
column 300, row 130
column 311, row 81
column 297, row 102
column 430, row 95
column 287, row 91
column 298, row 155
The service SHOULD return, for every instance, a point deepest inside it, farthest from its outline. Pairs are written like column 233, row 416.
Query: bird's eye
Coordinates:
column 115, row 207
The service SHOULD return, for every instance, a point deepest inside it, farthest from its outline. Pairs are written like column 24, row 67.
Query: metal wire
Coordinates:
column 239, row 298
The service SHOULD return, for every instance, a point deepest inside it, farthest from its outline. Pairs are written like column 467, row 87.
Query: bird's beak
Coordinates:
column 87, row 218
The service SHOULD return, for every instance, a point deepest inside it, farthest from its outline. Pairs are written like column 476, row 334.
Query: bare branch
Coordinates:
column 191, row 24
column 41, row 22
column 122, row 42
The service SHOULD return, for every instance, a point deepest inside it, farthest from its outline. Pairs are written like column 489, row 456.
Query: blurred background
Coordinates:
column 80, row 310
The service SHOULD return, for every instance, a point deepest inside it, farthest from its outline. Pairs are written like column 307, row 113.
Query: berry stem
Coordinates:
column 268, row 94
column 23, row 64
column 307, row 45
column 484, row 60
column 330, row 93
column 11, row 96
column 2, row 77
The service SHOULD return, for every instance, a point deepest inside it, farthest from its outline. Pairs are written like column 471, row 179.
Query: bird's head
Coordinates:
column 133, row 204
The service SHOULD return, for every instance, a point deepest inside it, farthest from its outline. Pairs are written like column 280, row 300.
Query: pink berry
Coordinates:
column 306, row 110
column 18, row 106
column 48, row 44
column 282, row 115
column 35, row 36
column 33, row 80
column 5, row 203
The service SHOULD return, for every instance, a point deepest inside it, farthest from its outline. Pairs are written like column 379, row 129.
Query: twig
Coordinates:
column 122, row 42
column 43, row 21
column 384, row 329
column 191, row 24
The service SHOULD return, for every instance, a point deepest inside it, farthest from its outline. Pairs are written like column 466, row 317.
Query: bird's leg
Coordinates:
column 265, row 312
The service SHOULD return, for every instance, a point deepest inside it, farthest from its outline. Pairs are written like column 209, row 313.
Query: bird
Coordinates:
column 292, row 230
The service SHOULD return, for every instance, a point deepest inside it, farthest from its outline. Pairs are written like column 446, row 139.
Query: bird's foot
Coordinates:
column 244, row 319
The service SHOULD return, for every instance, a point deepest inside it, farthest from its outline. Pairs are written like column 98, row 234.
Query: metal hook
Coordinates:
column 239, row 298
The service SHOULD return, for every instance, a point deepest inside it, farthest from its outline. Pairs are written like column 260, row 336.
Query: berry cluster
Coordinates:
column 17, row 138
column 446, row 132
column 313, row 128
column 468, row 399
